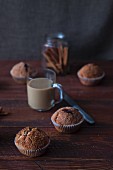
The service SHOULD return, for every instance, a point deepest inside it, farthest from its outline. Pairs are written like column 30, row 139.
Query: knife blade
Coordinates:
column 72, row 103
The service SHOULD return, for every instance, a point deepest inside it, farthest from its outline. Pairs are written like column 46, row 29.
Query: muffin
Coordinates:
column 32, row 141
column 21, row 71
column 67, row 119
column 90, row 74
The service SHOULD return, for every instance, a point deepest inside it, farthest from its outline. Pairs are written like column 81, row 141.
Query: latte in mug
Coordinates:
column 41, row 93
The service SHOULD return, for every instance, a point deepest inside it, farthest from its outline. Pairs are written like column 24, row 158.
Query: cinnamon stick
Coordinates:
column 59, row 67
column 60, row 51
column 54, row 53
column 50, row 62
column 65, row 56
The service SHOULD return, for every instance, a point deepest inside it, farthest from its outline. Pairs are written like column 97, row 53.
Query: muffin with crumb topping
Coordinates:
column 90, row 74
column 67, row 119
column 21, row 71
column 32, row 141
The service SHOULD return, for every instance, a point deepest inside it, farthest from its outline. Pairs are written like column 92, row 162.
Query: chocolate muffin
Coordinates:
column 21, row 71
column 67, row 119
column 32, row 141
column 90, row 74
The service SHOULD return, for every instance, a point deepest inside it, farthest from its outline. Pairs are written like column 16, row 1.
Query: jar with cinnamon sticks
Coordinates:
column 55, row 53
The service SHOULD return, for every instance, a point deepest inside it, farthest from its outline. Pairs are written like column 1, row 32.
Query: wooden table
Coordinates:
column 91, row 148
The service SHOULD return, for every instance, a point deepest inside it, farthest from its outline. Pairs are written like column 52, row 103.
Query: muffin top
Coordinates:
column 22, row 70
column 68, row 116
column 31, row 138
column 90, row 71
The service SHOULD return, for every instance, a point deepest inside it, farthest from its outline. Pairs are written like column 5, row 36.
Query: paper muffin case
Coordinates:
column 19, row 80
column 33, row 153
column 66, row 128
column 90, row 81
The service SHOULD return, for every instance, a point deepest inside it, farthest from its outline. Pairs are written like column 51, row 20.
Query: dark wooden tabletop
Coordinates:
column 90, row 148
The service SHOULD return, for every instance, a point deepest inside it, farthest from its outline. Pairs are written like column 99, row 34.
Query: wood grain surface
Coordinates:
column 90, row 148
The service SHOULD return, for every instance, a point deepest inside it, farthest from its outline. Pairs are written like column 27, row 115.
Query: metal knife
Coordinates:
column 72, row 103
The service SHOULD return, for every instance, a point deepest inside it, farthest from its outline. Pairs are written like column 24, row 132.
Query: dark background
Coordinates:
column 88, row 25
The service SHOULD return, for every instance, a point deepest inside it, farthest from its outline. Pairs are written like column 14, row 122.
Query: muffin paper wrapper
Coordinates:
column 90, row 81
column 66, row 128
column 33, row 153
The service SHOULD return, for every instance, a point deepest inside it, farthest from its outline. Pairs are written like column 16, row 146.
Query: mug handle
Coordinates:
column 59, row 87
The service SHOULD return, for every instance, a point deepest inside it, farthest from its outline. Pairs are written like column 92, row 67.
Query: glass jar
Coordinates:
column 55, row 53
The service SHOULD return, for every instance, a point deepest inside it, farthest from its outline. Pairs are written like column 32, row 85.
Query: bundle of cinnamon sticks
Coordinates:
column 56, row 58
